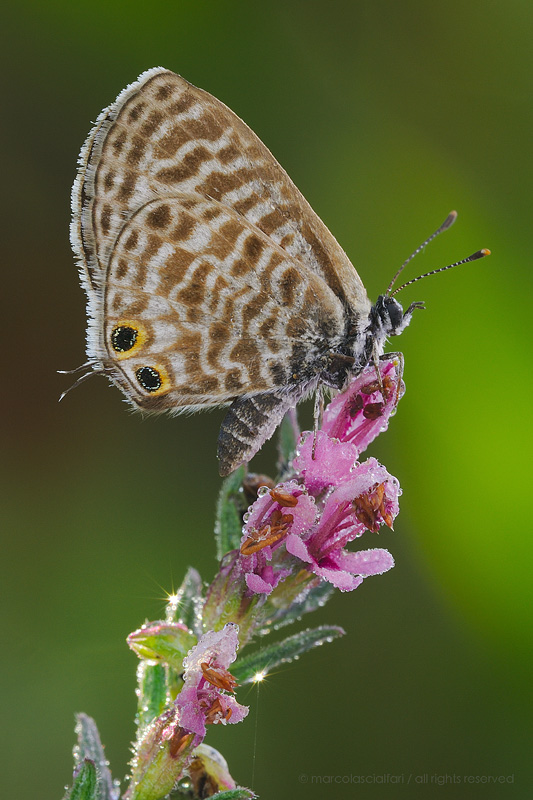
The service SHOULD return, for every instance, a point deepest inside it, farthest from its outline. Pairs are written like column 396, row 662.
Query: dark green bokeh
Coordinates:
column 386, row 115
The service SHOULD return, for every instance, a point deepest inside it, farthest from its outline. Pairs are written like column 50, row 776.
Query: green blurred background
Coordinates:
column 387, row 115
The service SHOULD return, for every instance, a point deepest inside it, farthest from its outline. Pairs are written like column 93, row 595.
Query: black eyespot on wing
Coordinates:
column 123, row 338
column 149, row 378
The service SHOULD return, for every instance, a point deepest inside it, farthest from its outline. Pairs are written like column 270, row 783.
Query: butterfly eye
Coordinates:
column 149, row 378
column 123, row 338
column 395, row 312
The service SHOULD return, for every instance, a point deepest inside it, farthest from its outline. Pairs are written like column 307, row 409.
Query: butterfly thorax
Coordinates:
column 363, row 341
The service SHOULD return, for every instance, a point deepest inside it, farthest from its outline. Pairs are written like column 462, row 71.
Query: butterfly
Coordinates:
column 210, row 280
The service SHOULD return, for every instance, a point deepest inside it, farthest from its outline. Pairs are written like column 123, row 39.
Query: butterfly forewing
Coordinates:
column 162, row 136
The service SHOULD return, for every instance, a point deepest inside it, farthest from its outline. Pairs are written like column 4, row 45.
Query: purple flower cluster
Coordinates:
column 330, row 498
column 174, row 738
column 295, row 536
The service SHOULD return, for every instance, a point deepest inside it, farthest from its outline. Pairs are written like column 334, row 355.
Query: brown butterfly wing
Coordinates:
column 191, row 238
column 163, row 136
column 218, row 309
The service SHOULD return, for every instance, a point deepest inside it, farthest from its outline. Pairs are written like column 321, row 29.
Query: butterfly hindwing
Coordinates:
column 218, row 309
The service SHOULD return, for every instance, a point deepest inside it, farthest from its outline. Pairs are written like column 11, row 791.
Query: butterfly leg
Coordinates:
column 409, row 313
column 318, row 411
column 376, row 360
column 399, row 369
column 248, row 424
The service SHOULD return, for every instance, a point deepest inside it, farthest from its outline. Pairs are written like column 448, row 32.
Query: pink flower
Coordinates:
column 204, row 699
column 365, row 501
column 274, row 513
column 316, row 534
column 362, row 411
column 321, row 461
column 332, row 498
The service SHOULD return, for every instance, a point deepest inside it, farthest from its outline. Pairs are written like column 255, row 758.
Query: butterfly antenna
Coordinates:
column 448, row 222
column 81, row 379
column 473, row 257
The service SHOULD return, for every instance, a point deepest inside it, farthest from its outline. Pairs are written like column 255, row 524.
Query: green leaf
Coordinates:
column 186, row 604
column 89, row 748
column 230, row 505
column 85, row 786
column 273, row 617
column 152, row 693
column 289, row 432
column 234, row 794
column 264, row 660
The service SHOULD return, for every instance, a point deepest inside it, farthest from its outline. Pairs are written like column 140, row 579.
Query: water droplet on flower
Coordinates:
column 262, row 491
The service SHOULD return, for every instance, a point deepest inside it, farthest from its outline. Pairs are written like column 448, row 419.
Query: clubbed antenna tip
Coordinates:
column 448, row 222
column 473, row 257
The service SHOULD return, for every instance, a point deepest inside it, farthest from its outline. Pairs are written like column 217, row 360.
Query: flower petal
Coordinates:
column 296, row 547
column 322, row 461
column 238, row 712
column 361, row 412
column 301, row 511
column 362, row 481
column 365, row 562
column 218, row 647
column 192, row 716
column 341, row 580
column 257, row 585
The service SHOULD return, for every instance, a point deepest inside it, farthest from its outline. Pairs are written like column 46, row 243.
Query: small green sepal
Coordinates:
column 160, row 757
column 168, row 642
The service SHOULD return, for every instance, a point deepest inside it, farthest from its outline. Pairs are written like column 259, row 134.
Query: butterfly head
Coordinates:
column 387, row 318
column 388, row 315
